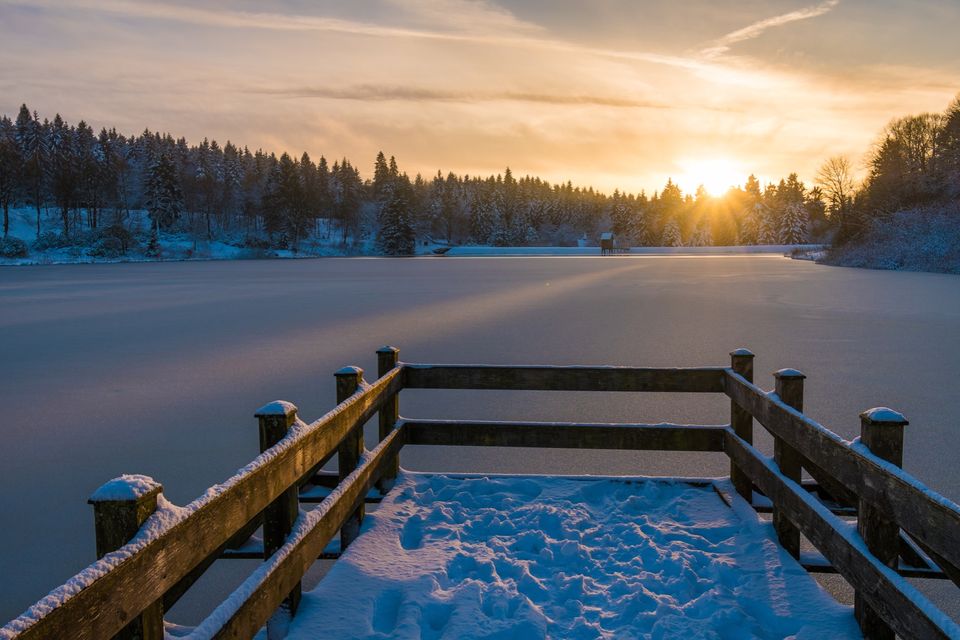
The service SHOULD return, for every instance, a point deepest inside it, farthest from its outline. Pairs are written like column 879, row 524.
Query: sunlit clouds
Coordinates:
column 602, row 93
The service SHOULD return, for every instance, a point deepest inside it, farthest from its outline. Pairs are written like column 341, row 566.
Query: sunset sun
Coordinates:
column 715, row 173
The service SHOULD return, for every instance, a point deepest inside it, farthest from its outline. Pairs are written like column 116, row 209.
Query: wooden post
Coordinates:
column 348, row 454
column 387, row 359
column 120, row 507
column 275, row 420
column 789, row 388
column 741, row 361
column 881, row 431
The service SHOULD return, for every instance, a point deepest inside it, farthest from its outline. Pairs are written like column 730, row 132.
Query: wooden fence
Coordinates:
column 903, row 529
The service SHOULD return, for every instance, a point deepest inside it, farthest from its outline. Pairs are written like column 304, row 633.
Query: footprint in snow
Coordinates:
column 386, row 611
column 411, row 536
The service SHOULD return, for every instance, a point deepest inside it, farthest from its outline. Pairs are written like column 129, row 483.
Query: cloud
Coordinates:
column 723, row 44
column 518, row 36
column 377, row 93
column 464, row 15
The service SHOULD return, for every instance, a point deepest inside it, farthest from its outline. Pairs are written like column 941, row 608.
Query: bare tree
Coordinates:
column 835, row 177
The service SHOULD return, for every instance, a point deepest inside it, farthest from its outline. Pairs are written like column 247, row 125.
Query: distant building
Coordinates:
column 606, row 243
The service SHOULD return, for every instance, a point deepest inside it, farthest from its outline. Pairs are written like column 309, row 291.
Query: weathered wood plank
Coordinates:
column 566, row 435
column 789, row 388
column 101, row 609
column 816, row 563
column 267, row 588
column 173, row 595
column 275, row 421
column 117, row 520
column 928, row 517
column 351, row 448
column 556, row 378
column 388, row 358
column 951, row 571
column 882, row 433
column 741, row 361
column 900, row 604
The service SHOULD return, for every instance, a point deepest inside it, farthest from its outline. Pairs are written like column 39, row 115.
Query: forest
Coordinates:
column 107, row 193
column 905, row 214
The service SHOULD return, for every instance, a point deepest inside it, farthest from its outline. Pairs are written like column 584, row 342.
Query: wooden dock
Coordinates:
column 903, row 529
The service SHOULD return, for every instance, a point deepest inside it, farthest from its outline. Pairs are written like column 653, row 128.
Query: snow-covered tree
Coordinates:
column 164, row 197
column 701, row 237
column 9, row 169
column 32, row 142
column 397, row 237
column 794, row 224
column 671, row 234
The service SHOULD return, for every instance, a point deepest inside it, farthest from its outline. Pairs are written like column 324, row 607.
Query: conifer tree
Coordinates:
column 32, row 144
column 671, row 234
column 63, row 169
column 397, row 237
column 701, row 237
column 9, row 169
column 794, row 224
column 164, row 197
column 381, row 178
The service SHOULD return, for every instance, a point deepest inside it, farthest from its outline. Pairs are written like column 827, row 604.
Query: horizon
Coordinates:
column 705, row 94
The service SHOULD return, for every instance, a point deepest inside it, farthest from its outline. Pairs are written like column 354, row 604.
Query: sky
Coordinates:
column 607, row 93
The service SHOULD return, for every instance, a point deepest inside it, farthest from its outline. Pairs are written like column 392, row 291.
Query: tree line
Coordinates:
column 913, row 165
column 94, row 182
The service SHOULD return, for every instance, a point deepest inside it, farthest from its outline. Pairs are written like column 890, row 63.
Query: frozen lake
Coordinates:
column 158, row 368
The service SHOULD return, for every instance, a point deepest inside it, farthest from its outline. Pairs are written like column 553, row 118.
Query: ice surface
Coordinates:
column 533, row 557
column 158, row 368
column 164, row 517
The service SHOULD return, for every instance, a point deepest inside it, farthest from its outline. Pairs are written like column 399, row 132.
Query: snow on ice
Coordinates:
column 532, row 557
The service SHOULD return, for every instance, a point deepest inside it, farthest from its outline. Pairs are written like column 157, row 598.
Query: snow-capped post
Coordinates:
column 881, row 431
column 348, row 454
column 275, row 420
column 789, row 388
column 741, row 361
column 120, row 507
column 387, row 359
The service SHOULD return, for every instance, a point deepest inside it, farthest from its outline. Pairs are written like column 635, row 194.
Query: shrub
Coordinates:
column 120, row 235
column 50, row 240
column 13, row 247
column 254, row 242
column 107, row 247
column 913, row 240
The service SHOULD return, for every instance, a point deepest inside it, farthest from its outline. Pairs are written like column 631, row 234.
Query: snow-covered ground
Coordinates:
column 174, row 247
column 526, row 557
column 774, row 249
column 157, row 369
column 184, row 247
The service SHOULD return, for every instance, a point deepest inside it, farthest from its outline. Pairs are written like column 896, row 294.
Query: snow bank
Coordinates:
column 483, row 251
column 924, row 239
column 533, row 557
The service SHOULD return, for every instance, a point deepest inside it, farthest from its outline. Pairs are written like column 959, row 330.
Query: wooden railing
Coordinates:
column 150, row 558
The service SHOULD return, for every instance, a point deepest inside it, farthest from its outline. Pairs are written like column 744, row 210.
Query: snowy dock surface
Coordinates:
column 523, row 557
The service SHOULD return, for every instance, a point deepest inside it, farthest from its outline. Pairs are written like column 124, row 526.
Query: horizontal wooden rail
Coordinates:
column 163, row 567
column 907, row 611
column 255, row 600
column 128, row 587
column 929, row 518
column 566, row 435
column 816, row 563
column 559, row 378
